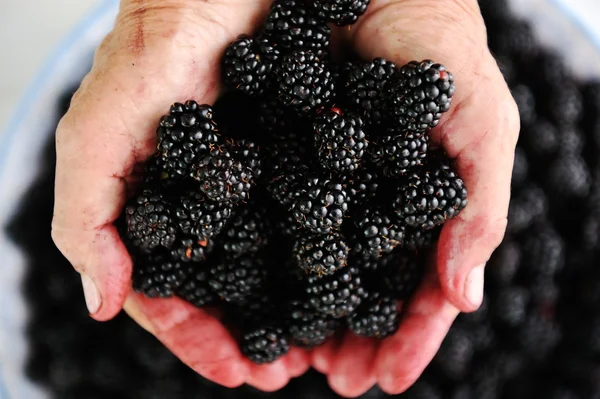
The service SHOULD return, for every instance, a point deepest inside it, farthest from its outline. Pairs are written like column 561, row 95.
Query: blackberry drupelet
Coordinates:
column 308, row 328
column 247, row 233
column 363, row 187
column 190, row 248
column 247, row 64
column 398, row 153
column 236, row 279
column 340, row 12
column 222, row 178
column 264, row 344
column 375, row 233
column 248, row 153
column 196, row 288
column 157, row 276
column 320, row 254
column 418, row 95
column 340, row 141
column 150, row 222
column 199, row 216
column 377, row 316
column 319, row 204
column 304, row 82
column 290, row 26
column 362, row 86
column 337, row 295
column 186, row 133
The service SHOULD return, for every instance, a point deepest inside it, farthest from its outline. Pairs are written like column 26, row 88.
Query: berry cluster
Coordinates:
column 321, row 146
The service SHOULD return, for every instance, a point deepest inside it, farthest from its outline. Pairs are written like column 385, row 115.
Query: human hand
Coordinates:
column 480, row 132
column 160, row 51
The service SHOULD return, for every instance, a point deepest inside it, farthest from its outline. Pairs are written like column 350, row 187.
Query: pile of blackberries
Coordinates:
column 537, row 334
column 298, row 201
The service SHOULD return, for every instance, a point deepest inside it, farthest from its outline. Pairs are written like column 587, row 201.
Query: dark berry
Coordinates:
column 402, row 272
column 510, row 306
column 341, row 12
column 376, row 233
column 377, row 316
column 337, row 295
column 505, row 262
column 544, row 252
column 455, row 354
column 528, row 205
column 198, row 215
column 308, row 328
column 150, row 221
column 362, row 188
column 320, row 254
column 264, row 345
column 196, row 289
column 190, row 248
column 397, row 154
column 157, row 275
column 236, row 279
column 568, row 177
column 247, row 232
column 525, row 100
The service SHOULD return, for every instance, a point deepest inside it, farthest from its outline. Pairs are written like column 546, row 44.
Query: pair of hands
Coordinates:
column 162, row 51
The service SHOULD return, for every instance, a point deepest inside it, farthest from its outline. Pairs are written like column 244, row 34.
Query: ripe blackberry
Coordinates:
column 540, row 139
column 319, row 204
column 455, row 354
column 196, row 289
column 432, row 195
column 563, row 103
column 190, row 248
column 544, row 252
column 375, row 233
column 308, row 328
column 402, row 272
column 362, row 188
column 528, row 205
column 341, row 12
column 291, row 27
column 415, row 239
column 248, row 153
column 222, row 178
column 362, row 85
column 156, row 275
column 199, row 216
column 568, row 177
column 264, row 345
column 277, row 121
column 247, row 64
column 337, row 295
column 340, row 141
column 304, row 82
column 320, row 254
column 150, row 222
column 156, row 175
column 510, row 306
column 419, row 94
column 572, row 141
column 247, row 233
column 504, row 263
column 517, row 40
column 259, row 308
column 397, row 154
column 538, row 336
column 377, row 316
column 525, row 100
column 186, row 133
column 236, row 279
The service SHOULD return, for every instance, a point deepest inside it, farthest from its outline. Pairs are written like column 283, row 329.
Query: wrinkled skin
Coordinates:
column 162, row 51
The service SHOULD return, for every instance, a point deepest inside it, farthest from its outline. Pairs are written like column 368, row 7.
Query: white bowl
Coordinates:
column 566, row 24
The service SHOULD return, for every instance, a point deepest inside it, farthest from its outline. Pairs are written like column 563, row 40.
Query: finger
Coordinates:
column 268, row 377
column 324, row 355
column 352, row 372
column 197, row 339
column 402, row 358
column 297, row 362
column 148, row 62
column 480, row 130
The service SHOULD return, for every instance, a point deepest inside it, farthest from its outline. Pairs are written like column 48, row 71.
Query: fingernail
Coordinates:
column 93, row 300
column 474, row 286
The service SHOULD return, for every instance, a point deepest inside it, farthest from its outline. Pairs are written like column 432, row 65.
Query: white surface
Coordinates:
column 29, row 31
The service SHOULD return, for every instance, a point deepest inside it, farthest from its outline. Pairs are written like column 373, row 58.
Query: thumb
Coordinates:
column 479, row 132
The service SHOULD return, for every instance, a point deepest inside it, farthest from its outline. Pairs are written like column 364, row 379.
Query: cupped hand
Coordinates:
column 480, row 133
column 162, row 51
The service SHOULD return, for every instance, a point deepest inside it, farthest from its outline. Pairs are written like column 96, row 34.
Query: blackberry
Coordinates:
column 196, row 289
column 186, row 133
column 264, row 345
column 528, row 205
column 402, row 273
column 199, row 216
column 572, row 141
column 257, row 309
column 525, row 100
column 341, row 12
column 276, row 120
column 319, row 204
column 505, row 263
column 510, row 306
column 247, row 64
column 305, row 82
column 191, row 249
column 415, row 239
column 455, row 354
column 150, row 223
column 568, row 176
column 237, row 279
column 248, row 153
column 362, row 188
column 247, row 233
column 432, row 195
column 538, row 336
column 222, row 178
column 375, row 233
column 540, row 139
column 544, row 252
column 155, row 174
column 340, row 141
column 517, row 40
column 563, row 103
column 419, row 94
column 337, row 295
column 291, row 27
column 377, row 316
column 397, row 154
column 362, row 85
column 320, row 254
column 157, row 276
column 308, row 328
